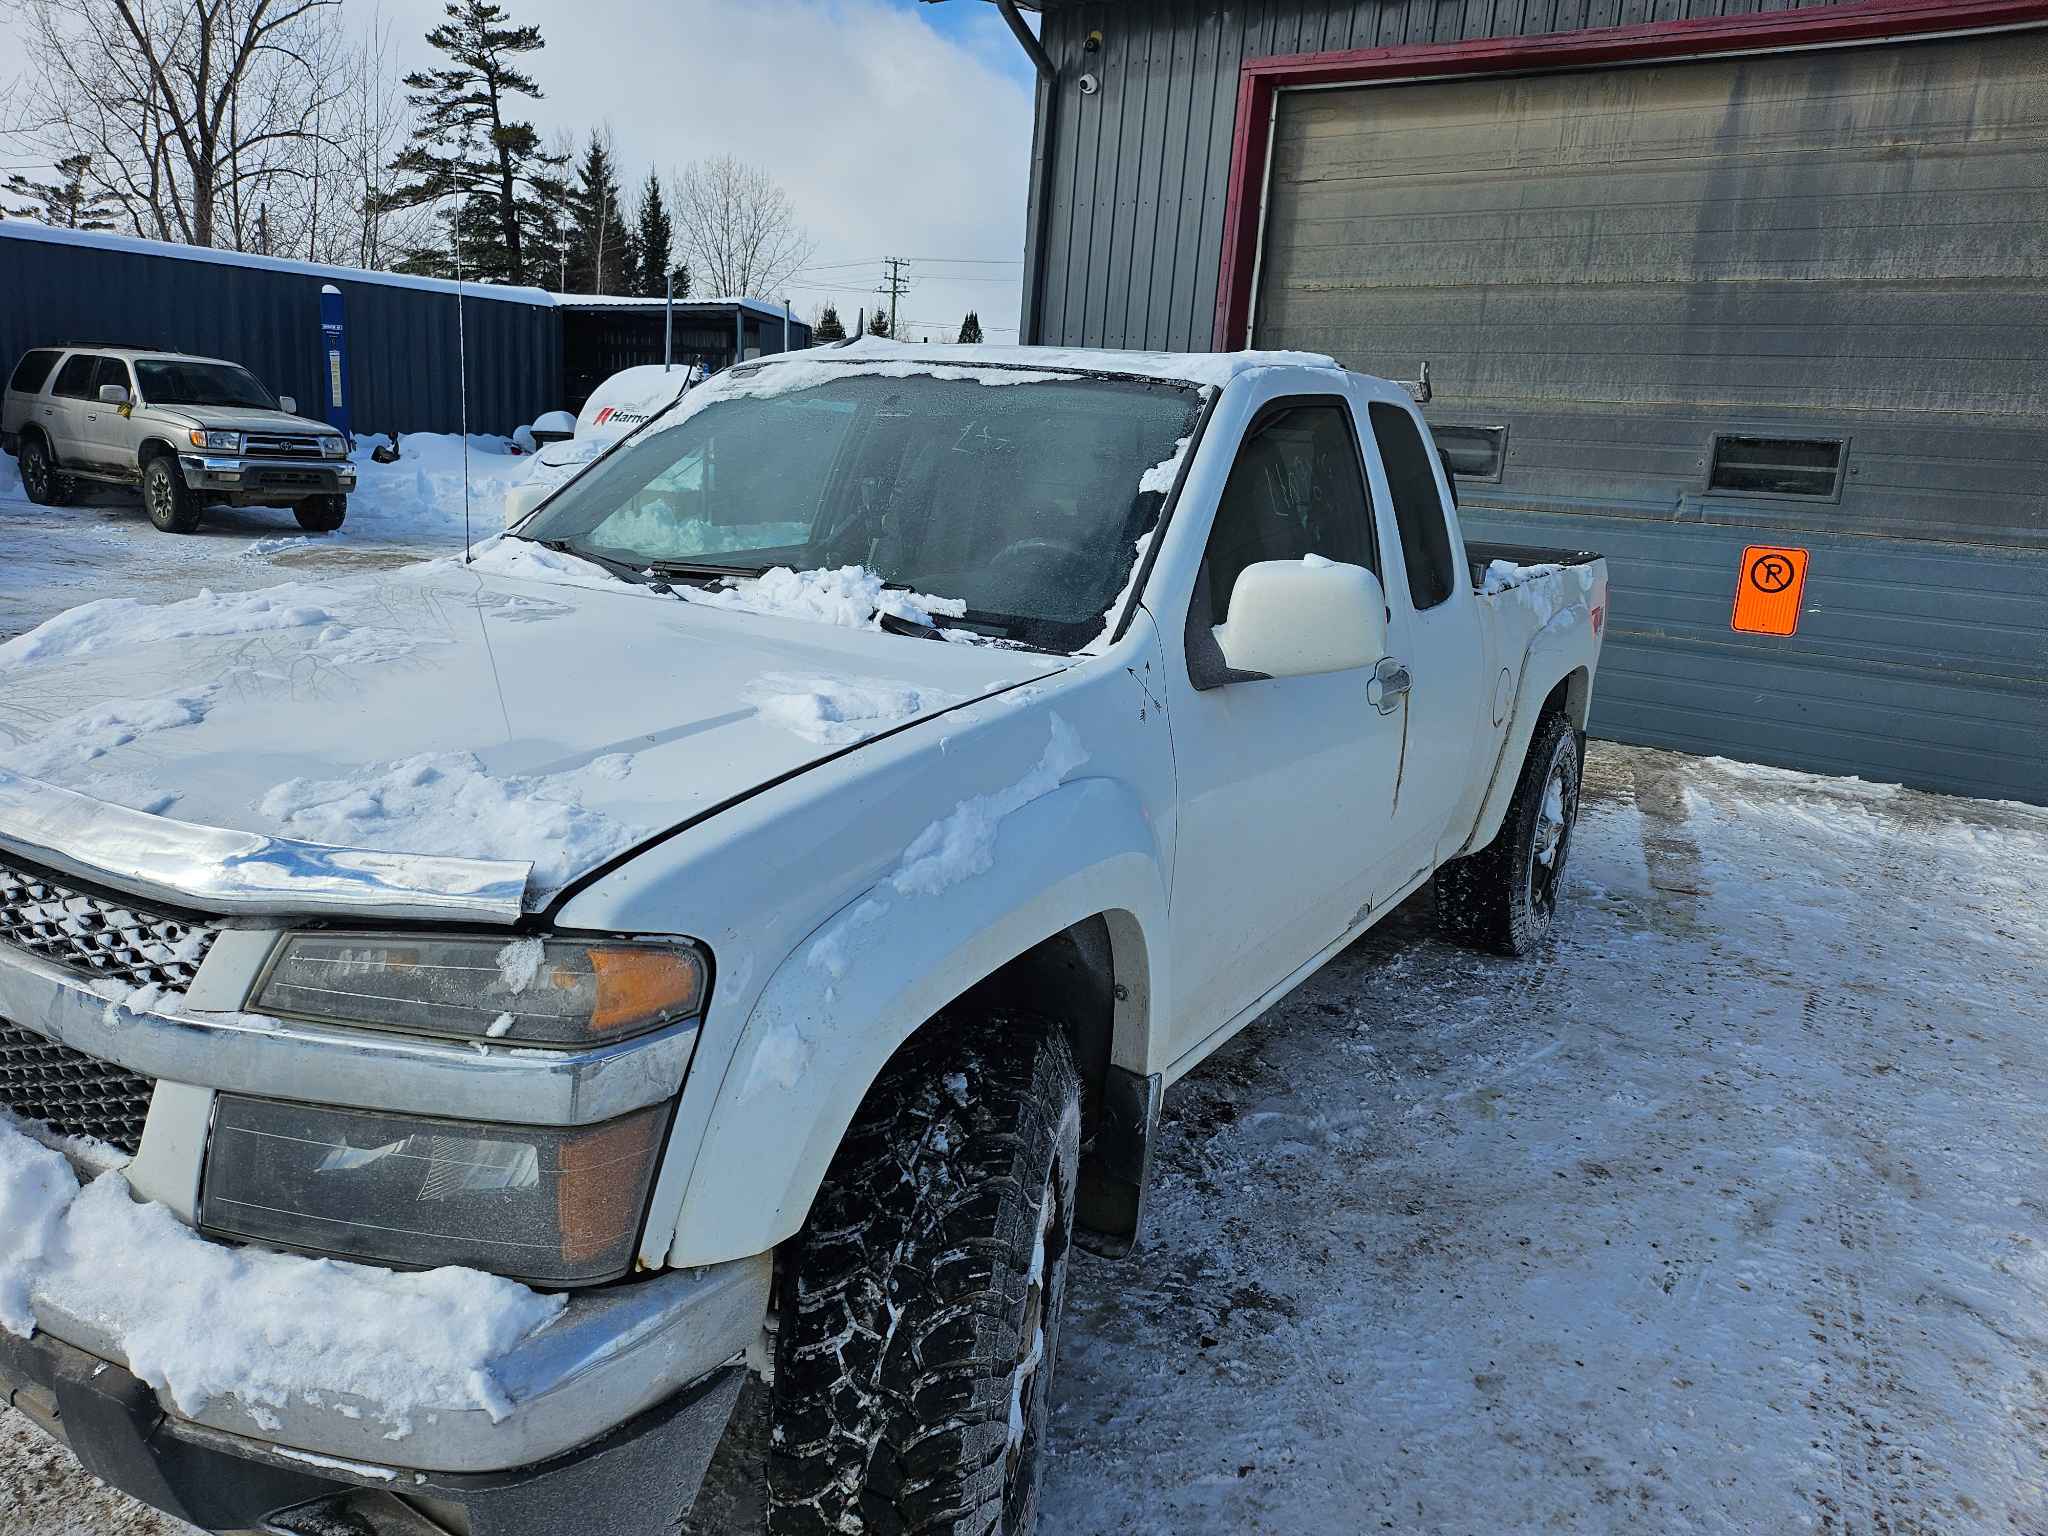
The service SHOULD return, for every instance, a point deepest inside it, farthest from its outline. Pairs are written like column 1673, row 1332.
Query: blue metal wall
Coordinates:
column 57, row 287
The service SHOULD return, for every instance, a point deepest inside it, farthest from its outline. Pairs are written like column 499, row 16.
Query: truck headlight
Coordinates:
column 555, row 1207
column 549, row 992
column 218, row 442
column 333, row 447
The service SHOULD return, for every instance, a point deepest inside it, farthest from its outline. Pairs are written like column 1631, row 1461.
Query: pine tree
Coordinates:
column 466, row 145
column 602, row 258
column 878, row 322
column 66, row 203
column 655, row 240
column 682, row 280
column 970, row 330
column 830, row 327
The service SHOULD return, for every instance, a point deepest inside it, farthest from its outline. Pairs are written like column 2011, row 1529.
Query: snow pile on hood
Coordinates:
column 851, row 597
column 125, row 622
column 83, row 738
column 836, row 711
column 447, row 803
column 205, row 1321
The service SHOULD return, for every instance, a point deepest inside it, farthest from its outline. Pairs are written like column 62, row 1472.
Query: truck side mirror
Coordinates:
column 113, row 394
column 288, row 405
column 1298, row 618
column 522, row 499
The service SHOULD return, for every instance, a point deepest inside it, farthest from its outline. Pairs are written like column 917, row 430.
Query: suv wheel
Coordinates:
column 39, row 476
column 321, row 514
column 165, row 496
column 1504, row 897
column 921, row 1303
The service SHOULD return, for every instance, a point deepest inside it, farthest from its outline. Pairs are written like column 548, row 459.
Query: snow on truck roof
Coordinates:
column 1210, row 368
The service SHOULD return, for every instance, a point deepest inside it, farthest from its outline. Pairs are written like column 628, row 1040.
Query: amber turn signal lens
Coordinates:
column 636, row 986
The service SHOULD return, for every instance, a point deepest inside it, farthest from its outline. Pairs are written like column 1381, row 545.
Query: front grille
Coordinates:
column 98, row 937
column 266, row 445
column 75, row 1094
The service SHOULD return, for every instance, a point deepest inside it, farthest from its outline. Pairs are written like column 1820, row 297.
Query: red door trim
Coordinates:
column 1260, row 80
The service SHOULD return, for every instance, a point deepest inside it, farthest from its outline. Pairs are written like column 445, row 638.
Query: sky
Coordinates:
column 898, row 128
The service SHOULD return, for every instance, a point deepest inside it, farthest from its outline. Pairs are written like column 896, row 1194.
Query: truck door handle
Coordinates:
column 1391, row 681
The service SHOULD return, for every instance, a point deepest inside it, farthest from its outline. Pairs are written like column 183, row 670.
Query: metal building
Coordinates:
column 59, row 285
column 1689, row 283
column 601, row 335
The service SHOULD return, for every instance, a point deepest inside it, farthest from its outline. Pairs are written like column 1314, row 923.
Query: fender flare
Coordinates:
column 1565, row 645
column 842, row 1003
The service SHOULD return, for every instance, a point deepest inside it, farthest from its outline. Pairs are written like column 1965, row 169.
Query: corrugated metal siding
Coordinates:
column 402, row 340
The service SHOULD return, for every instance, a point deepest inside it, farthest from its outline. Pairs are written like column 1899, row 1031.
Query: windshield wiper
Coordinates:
column 618, row 568
column 705, row 569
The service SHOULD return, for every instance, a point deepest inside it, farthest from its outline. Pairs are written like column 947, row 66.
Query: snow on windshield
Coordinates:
column 203, row 1321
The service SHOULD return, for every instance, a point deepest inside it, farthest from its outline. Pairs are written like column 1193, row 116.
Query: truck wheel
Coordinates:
column 165, row 496
column 921, row 1303
column 39, row 477
column 321, row 514
column 1504, row 897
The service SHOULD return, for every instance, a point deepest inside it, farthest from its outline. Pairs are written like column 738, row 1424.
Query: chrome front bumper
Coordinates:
column 287, row 479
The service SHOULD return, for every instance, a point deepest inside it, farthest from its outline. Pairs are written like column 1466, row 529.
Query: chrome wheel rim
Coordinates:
column 1551, row 838
column 35, row 473
column 160, row 508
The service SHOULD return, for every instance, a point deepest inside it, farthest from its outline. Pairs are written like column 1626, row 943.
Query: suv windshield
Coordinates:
column 1017, row 494
column 189, row 383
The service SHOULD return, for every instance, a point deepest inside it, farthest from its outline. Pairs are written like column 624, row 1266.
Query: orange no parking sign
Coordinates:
column 1768, row 589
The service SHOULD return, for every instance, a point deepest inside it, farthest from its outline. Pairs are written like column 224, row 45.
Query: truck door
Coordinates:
column 109, row 437
column 1285, row 783
column 63, row 414
column 1434, row 631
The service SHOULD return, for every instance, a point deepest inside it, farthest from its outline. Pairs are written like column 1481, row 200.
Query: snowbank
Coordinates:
column 447, row 803
column 205, row 1321
column 418, row 499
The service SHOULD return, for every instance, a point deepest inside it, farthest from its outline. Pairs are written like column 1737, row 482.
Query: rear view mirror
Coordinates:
column 1298, row 618
column 288, row 405
column 113, row 394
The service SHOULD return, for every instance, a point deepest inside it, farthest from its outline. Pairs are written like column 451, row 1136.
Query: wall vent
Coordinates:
column 1809, row 468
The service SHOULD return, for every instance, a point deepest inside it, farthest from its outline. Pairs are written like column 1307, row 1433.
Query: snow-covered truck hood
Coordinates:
column 527, row 708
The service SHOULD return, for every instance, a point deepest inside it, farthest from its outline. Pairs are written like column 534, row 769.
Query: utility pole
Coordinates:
column 893, row 289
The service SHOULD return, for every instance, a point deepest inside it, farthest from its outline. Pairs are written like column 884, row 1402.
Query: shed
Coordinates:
column 1690, row 284
column 602, row 334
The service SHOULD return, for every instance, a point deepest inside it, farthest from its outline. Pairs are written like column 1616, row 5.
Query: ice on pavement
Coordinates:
column 449, row 803
column 204, row 1321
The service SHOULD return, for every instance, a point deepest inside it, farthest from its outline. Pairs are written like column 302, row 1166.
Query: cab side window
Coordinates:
column 75, row 378
column 1418, row 506
column 1297, row 489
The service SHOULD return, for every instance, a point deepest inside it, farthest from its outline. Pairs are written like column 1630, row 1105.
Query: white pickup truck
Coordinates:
column 756, row 905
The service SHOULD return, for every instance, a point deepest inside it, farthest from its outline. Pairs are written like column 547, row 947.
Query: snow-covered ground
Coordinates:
column 54, row 557
column 1723, row 1215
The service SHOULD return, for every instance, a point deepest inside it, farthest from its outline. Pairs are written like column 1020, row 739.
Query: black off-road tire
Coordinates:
column 166, row 498
column 321, row 514
column 1504, row 897
column 929, row 1276
column 40, row 478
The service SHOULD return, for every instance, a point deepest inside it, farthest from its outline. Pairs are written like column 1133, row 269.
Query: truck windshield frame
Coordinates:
column 1023, row 496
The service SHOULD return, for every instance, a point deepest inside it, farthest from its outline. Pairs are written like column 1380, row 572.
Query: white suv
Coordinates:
column 191, row 432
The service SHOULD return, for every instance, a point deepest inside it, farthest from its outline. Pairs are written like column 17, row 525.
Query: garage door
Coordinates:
column 1678, row 311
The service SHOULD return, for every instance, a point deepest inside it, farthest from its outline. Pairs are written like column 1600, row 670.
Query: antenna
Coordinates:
column 462, row 378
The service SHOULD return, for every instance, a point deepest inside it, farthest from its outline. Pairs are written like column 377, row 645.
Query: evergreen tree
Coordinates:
column 830, row 327
column 466, row 144
column 878, row 322
column 682, row 281
column 970, row 330
column 602, row 258
column 66, row 203
column 655, row 241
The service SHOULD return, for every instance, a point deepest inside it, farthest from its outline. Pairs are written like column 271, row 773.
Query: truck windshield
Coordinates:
column 1024, row 497
column 190, row 383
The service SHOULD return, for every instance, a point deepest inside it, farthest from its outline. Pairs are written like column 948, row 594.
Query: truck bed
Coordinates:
column 1481, row 558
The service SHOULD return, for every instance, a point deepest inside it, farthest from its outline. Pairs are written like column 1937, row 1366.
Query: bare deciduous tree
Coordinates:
column 199, row 115
column 736, row 228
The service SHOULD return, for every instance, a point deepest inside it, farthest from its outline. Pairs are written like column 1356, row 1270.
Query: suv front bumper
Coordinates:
column 266, row 481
